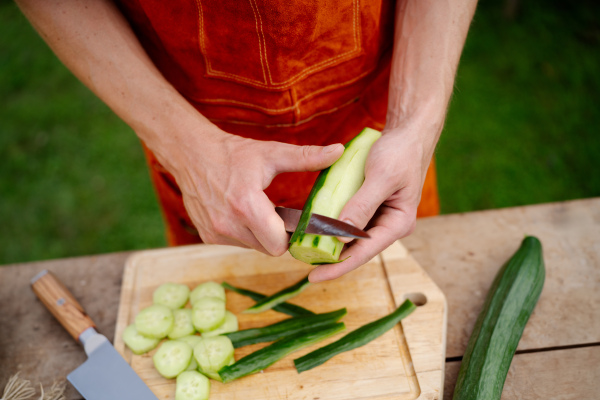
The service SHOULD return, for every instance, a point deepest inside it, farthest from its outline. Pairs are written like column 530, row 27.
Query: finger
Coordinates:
column 390, row 226
column 361, row 207
column 291, row 158
column 267, row 227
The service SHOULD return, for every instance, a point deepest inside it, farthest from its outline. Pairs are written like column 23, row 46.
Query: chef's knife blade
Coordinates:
column 319, row 224
column 105, row 375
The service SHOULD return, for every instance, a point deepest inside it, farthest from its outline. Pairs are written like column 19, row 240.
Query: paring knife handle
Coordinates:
column 61, row 303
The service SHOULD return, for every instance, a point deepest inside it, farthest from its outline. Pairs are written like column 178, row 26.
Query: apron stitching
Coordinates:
column 295, row 102
column 290, row 108
column 295, row 78
column 261, row 45
column 264, row 42
column 332, row 110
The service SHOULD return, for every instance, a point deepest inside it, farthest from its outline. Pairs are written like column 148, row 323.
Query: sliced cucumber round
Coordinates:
column 172, row 295
column 155, row 321
column 138, row 343
column 182, row 325
column 212, row 354
column 172, row 358
column 230, row 324
column 192, row 340
column 207, row 289
column 208, row 313
column 192, row 385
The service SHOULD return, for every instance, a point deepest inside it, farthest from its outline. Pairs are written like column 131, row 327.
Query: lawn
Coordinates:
column 523, row 128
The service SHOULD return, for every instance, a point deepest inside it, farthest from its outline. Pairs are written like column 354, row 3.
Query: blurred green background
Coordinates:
column 523, row 128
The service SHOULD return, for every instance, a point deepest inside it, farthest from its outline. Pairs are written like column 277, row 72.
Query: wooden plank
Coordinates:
column 31, row 340
column 390, row 367
column 571, row 374
column 463, row 252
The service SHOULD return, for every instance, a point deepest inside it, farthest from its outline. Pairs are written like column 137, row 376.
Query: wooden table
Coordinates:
column 558, row 356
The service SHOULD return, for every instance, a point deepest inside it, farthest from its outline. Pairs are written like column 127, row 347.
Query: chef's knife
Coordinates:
column 105, row 375
column 319, row 224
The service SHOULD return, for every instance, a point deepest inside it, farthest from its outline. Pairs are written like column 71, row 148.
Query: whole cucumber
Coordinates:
column 508, row 305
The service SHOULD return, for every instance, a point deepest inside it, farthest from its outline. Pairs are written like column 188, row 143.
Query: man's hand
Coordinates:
column 386, row 203
column 223, row 182
column 428, row 40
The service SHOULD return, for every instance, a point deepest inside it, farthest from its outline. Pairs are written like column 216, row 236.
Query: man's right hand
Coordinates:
column 223, row 181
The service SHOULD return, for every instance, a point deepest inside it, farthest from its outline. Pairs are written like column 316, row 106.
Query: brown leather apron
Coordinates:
column 300, row 72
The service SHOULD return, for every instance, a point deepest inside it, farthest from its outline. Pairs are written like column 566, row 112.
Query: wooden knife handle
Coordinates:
column 61, row 303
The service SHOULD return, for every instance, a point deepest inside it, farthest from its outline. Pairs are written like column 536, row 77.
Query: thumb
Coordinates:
column 359, row 210
column 292, row 158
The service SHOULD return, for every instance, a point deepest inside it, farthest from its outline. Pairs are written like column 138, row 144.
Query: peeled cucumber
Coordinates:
column 330, row 193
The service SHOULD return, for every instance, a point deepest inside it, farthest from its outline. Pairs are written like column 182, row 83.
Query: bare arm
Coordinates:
column 222, row 176
column 428, row 41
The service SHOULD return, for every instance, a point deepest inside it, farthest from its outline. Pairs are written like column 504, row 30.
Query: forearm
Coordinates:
column 96, row 43
column 428, row 41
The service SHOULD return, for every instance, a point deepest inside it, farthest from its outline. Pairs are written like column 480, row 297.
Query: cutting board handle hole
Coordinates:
column 418, row 298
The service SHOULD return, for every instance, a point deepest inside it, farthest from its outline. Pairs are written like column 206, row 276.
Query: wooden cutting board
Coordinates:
column 407, row 362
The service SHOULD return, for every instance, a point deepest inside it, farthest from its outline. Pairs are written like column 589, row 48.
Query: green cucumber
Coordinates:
column 207, row 289
column 271, row 301
column 285, row 308
column 182, row 325
column 172, row 358
column 172, row 295
column 354, row 339
column 287, row 327
column 192, row 385
column 230, row 324
column 267, row 356
column 138, row 343
column 155, row 321
column 330, row 193
column 498, row 329
column 192, row 341
column 212, row 354
column 208, row 313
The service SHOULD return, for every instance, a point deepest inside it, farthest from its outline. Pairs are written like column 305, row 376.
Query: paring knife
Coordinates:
column 319, row 224
column 105, row 375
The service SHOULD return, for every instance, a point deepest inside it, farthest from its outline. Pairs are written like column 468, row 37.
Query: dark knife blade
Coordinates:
column 319, row 224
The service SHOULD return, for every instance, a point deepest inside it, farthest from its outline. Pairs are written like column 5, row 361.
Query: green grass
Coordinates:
column 523, row 126
column 522, row 129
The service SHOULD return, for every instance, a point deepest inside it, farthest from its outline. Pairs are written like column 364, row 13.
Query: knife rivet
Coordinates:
column 60, row 301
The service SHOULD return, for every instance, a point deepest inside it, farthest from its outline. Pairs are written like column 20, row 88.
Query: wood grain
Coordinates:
column 61, row 303
column 405, row 363
column 463, row 252
column 569, row 374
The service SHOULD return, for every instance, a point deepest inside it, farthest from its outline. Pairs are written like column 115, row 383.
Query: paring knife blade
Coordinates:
column 319, row 224
column 105, row 375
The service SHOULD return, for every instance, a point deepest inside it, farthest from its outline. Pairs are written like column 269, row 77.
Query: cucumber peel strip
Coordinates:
column 285, row 308
column 271, row 301
column 267, row 356
column 354, row 339
column 285, row 328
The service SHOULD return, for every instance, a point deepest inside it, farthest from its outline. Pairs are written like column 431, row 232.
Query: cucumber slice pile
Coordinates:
column 167, row 319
